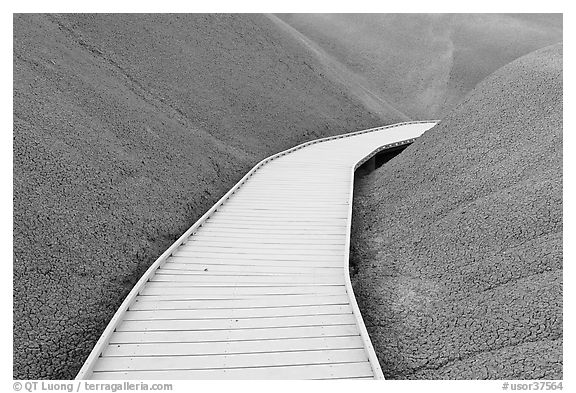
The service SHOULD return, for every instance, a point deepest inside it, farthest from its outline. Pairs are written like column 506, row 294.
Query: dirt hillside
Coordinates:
column 126, row 129
column 421, row 64
column 457, row 243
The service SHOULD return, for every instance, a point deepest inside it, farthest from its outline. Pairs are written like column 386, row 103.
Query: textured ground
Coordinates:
column 457, row 243
column 126, row 129
column 421, row 64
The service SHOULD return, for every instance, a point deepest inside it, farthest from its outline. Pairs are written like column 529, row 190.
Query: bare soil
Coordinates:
column 457, row 242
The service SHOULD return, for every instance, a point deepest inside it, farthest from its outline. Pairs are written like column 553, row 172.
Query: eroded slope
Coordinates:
column 457, row 242
column 126, row 129
column 424, row 64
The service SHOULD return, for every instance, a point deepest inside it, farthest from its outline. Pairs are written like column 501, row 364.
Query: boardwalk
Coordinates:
column 258, row 288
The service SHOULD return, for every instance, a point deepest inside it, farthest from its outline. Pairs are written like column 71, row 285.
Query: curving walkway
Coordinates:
column 258, row 288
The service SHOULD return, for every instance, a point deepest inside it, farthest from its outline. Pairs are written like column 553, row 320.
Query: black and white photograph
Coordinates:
column 286, row 196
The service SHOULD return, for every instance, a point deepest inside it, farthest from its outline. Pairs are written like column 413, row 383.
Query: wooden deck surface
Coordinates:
column 258, row 288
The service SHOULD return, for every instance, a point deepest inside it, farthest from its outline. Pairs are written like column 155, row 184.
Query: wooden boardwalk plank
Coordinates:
column 230, row 347
column 236, row 323
column 274, row 250
column 170, row 269
column 234, row 279
column 220, row 260
column 261, row 312
column 227, row 361
column 247, row 268
column 321, row 371
column 270, row 301
column 253, row 291
column 234, row 335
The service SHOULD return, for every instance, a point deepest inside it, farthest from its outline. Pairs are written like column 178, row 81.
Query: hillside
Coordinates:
column 127, row 128
column 457, row 243
column 421, row 64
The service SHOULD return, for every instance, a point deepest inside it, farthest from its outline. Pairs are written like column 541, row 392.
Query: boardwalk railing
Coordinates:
column 88, row 367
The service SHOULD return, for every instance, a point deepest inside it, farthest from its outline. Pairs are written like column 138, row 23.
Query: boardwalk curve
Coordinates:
column 258, row 287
